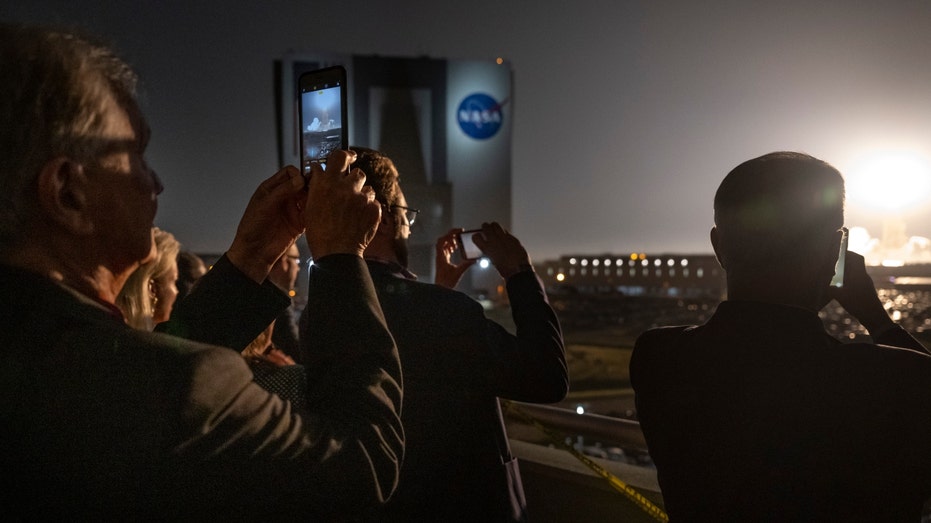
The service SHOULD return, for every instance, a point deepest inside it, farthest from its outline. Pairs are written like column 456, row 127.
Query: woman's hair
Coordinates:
column 136, row 300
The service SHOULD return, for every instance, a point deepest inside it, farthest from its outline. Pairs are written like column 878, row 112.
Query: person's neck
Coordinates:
column 94, row 280
column 775, row 291
column 381, row 250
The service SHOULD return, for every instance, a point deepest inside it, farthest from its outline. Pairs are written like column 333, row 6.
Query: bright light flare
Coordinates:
column 890, row 180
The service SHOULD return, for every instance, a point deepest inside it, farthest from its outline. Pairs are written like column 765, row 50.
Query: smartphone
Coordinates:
column 324, row 115
column 838, row 279
column 467, row 248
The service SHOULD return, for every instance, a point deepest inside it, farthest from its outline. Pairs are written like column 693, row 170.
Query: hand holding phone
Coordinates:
column 448, row 272
column 324, row 117
column 467, row 248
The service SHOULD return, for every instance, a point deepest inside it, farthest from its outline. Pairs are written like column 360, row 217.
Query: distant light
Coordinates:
column 684, row 263
column 890, row 180
column 499, row 60
column 584, row 262
column 484, row 263
column 859, row 240
column 633, row 256
column 893, row 263
column 572, row 261
column 560, row 277
column 292, row 293
column 580, row 409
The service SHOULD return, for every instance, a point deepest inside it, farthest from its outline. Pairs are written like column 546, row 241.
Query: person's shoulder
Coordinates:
column 653, row 347
column 662, row 336
column 427, row 294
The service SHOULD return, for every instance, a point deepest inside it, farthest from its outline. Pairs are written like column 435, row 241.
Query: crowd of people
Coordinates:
column 137, row 384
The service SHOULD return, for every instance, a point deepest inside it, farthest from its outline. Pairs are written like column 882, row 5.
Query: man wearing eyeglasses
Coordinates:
column 761, row 415
column 101, row 422
column 456, row 363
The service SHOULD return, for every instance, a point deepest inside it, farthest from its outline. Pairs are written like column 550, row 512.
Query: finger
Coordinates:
column 338, row 161
column 369, row 194
column 280, row 178
column 493, row 228
column 357, row 178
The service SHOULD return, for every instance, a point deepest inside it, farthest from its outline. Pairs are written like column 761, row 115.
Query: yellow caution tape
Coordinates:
column 559, row 439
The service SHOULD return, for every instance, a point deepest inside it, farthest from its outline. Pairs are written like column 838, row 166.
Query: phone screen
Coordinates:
column 838, row 279
column 467, row 247
column 323, row 114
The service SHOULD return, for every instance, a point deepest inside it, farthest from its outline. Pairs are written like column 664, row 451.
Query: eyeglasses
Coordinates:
column 409, row 213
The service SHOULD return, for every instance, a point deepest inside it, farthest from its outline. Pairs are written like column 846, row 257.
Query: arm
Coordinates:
column 233, row 303
column 345, row 452
column 530, row 366
column 858, row 296
column 225, row 308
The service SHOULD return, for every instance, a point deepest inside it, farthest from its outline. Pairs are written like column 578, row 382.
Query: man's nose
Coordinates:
column 157, row 182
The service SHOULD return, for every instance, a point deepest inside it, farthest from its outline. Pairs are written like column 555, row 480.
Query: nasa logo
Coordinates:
column 480, row 116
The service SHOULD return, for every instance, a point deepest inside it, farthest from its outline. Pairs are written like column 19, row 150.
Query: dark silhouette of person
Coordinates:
column 457, row 461
column 190, row 268
column 761, row 415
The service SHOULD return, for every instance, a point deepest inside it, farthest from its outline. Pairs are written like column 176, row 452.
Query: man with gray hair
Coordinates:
column 759, row 414
column 101, row 421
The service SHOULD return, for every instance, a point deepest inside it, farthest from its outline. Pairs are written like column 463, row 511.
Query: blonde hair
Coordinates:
column 136, row 299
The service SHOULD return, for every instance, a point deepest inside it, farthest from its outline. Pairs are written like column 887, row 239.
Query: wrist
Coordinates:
column 253, row 269
column 511, row 271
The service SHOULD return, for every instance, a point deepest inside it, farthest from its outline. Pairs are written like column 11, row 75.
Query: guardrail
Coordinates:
column 560, row 487
column 624, row 433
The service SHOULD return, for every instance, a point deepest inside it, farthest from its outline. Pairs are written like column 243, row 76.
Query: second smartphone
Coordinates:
column 467, row 248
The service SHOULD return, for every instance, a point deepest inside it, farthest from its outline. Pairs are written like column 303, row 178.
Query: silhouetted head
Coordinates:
column 190, row 268
column 777, row 219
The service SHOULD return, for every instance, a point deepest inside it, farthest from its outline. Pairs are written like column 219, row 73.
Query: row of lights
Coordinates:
column 631, row 262
column 561, row 275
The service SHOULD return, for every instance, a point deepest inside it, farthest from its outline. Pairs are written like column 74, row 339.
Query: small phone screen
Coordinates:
column 467, row 247
column 322, row 123
column 838, row 279
column 322, row 113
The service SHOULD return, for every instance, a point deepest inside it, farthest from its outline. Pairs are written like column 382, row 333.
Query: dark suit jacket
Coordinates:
column 456, row 363
column 760, row 415
column 98, row 420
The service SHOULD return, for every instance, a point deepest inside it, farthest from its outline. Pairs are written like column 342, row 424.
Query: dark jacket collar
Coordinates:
column 385, row 267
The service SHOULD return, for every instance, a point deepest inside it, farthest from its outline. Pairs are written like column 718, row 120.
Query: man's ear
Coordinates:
column 63, row 195
column 716, row 245
column 387, row 225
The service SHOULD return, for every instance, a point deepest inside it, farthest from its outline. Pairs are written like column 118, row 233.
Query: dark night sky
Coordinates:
column 627, row 114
